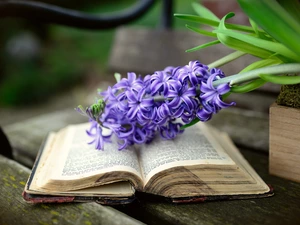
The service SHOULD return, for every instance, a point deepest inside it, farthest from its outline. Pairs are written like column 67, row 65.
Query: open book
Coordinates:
column 200, row 164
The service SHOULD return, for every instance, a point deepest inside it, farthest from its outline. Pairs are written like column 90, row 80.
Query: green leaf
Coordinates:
column 280, row 79
column 249, row 40
column 226, row 95
column 260, row 64
column 254, row 26
column 196, row 19
column 259, row 34
column 240, row 45
column 204, row 12
column 213, row 23
column 252, row 85
column 226, row 59
column 200, row 31
column 292, row 7
column 285, row 68
column 262, row 44
column 193, row 122
column 276, row 21
column 203, row 46
column 117, row 77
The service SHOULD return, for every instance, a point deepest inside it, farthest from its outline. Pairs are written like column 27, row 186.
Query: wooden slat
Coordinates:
column 246, row 128
column 145, row 50
column 26, row 136
column 15, row 211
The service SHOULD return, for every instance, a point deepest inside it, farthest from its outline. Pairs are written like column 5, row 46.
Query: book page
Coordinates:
column 78, row 159
column 194, row 147
column 243, row 164
column 114, row 189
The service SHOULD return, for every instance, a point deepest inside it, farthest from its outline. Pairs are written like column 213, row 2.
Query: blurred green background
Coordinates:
column 38, row 60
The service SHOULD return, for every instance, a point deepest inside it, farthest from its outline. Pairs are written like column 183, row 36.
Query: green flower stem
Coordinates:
column 159, row 98
column 162, row 98
column 226, row 59
column 254, row 74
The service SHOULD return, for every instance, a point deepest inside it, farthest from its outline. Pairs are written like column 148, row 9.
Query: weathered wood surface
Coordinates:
column 256, row 101
column 247, row 128
column 282, row 208
column 144, row 50
column 26, row 136
column 285, row 142
column 14, row 210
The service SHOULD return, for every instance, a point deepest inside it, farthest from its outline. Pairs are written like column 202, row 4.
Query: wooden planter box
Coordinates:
column 284, row 156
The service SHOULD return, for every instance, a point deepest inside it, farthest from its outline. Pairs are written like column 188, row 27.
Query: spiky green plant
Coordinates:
column 273, row 37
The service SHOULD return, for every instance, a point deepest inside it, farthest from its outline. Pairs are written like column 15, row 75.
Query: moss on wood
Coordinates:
column 15, row 211
column 289, row 96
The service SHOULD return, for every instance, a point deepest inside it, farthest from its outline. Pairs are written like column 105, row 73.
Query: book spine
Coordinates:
column 46, row 199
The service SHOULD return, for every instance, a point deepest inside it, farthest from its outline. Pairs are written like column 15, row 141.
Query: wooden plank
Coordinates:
column 145, row 50
column 26, row 136
column 14, row 210
column 282, row 208
column 252, row 101
column 285, row 142
column 247, row 128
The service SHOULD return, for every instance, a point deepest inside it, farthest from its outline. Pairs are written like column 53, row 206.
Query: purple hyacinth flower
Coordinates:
column 169, row 70
column 187, row 116
column 95, row 132
column 212, row 95
column 118, row 123
column 147, row 83
column 171, row 130
column 205, row 111
column 163, row 114
column 159, row 82
column 210, row 98
column 135, row 109
column 204, row 115
column 137, row 103
column 139, row 136
column 147, row 118
column 219, row 73
column 150, row 133
column 182, row 94
column 115, row 101
column 131, row 82
column 124, row 142
column 194, row 71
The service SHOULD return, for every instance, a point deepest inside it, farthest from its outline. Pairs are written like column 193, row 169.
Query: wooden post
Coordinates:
column 285, row 142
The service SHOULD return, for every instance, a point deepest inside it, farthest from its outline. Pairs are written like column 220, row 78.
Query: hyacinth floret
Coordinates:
column 135, row 109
